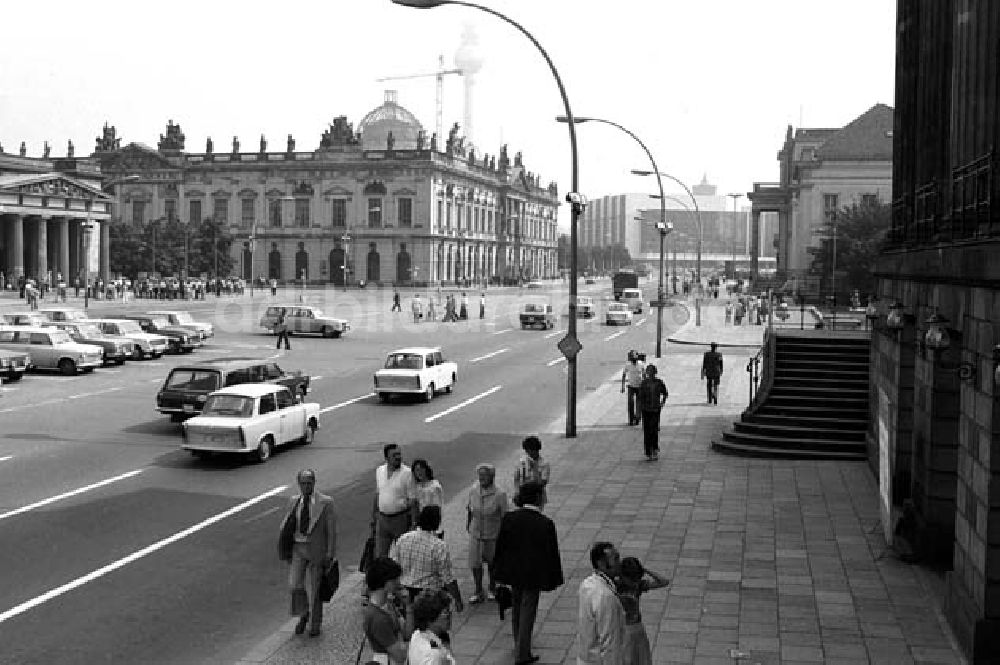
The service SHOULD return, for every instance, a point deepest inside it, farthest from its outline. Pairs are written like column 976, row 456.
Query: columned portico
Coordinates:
column 15, row 251
column 105, row 252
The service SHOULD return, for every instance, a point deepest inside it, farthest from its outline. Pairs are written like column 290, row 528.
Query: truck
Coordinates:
column 624, row 279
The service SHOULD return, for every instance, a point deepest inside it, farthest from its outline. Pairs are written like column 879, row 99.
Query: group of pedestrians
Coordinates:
column 747, row 310
column 454, row 309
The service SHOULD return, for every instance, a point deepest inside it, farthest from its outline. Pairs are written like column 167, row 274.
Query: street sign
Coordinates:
column 570, row 346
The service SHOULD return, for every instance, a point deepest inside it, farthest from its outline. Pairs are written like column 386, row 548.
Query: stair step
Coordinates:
column 853, row 383
column 799, row 432
column 793, row 444
column 819, row 363
column 817, row 421
column 766, row 451
column 799, row 410
column 846, row 392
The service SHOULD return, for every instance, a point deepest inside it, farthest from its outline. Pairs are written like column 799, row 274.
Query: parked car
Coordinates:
column 304, row 319
column 633, row 297
column 13, row 364
column 59, row 314
column 535, row 285
column 187, row 386
column 51, row 348
column 618, row 314
column 35, row 319
column 179, row 340
column 146, row 345
column 537, row 314
column 590, row 280
column 415, row 371
column 116, row 349
column 250, row 419
column 184, row 320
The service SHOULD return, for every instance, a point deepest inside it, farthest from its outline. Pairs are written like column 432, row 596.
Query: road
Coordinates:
column 118, row 547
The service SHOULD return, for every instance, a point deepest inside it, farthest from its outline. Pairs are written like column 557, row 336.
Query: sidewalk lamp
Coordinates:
column 346, row 238
column 569, row 345
column 88, row 228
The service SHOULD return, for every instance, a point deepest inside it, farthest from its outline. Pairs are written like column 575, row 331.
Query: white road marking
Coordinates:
column 348, row 402
column 316, row 378
column 641, row 321
column 6, row 457
column 489, row 355
column 500, row 332
column 612, row 336
column 135, row 556
column 155, row 380
column 553, row 334
column 60, row 379
column 66, row 495
column 555, row 362
column 96, row 392
column 462, row 404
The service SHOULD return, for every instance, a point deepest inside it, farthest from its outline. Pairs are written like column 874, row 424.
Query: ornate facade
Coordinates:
column 385, row 204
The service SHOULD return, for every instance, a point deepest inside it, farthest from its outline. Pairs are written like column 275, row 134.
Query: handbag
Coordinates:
column 286, row 539
column 367, row 555
column 330, row 582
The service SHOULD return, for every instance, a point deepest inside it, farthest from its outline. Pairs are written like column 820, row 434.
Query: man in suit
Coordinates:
column 527, row 559
column 711, row 370
column 314, row 550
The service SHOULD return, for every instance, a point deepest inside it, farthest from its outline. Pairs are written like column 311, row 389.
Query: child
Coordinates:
column 631, row 584
column 532, row 468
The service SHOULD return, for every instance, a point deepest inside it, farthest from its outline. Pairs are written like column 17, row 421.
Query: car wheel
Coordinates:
column 264, row 450
column 14, row 377
column 310, row 434
column 87, row 370
column 201, row 454
column 451, row 385
column 67, row 367
column 328, row 331
column 429, row 395
column 119, row 362
column 177, row 418
column 337, row 334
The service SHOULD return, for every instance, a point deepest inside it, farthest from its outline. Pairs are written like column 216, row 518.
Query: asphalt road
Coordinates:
column 119, row 547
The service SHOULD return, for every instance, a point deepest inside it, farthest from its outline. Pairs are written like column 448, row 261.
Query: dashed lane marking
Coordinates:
column 348, row 402
column 489, row 355
column 462, row 404
column 6, row 457
column 553, row 334
column 66, row 495
column 612, row 336
column 500, row 332
column 555, row 362
column 641, row 321
column 96, row 392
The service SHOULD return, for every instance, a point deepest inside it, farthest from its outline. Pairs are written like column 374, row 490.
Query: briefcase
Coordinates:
column 367, row 555
column 330, row 583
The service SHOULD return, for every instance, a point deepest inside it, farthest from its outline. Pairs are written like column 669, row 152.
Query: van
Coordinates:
column 633, row 298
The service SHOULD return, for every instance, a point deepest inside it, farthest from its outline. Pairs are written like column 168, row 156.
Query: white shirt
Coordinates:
column 634, row 373
column 426, row 649
column 395, row 491
column 600, row 623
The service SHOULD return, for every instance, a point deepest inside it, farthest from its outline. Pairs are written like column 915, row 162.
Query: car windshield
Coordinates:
column 532, row 307
column 128, row 327
column 182, row 317
column 202, row 380
column 59, row 337
column 236, row 406
column 89, row 331
column 404, row 361
column 631, row 293
column 159, row 321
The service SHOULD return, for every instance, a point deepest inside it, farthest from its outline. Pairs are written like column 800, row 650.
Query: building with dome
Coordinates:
column 386, row 204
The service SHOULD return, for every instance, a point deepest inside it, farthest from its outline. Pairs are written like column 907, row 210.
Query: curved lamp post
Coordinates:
column 570, row 346
column 690, row 212
column 660, row 226
column 697, row 269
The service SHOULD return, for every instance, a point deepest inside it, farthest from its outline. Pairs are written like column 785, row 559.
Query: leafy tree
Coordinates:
column 159, row 246
column 860, row 230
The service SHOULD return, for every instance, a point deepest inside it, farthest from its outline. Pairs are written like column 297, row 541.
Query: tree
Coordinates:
column 159, row 246
column 860, row 230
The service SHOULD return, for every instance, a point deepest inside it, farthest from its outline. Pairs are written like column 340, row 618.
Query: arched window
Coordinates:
column 302, row 262
column 337, row 265
column 403, row 273
column 373, row 263
column 274, row 262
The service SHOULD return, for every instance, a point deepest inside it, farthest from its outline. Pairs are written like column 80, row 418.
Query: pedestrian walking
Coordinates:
column 652, row 395
column 532, row 468
column 274, row 287
column 449, row 309
column 281, row 330
column 431, row 309
column 396, row 307
column 312, row 524
column 601, row 618
column 463, row 310
column 634, row 581
column 484, row 509
column 738, row 311
column 429, row 644
column 527, row 559
column 386, row 628
column 632, row 375
column 418, row 308
column 482, row 306
column 729, row 312
column 425, row 558
column 395, row 506
column 711, row 370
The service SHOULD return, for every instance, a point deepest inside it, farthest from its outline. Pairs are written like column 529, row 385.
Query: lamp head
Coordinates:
column 420, row 4
column 577, row 119
column 641, row 172
column 937, row 338
column 894, row 320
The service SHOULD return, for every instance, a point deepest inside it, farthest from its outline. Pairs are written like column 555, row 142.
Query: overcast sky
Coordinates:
column 709, row 85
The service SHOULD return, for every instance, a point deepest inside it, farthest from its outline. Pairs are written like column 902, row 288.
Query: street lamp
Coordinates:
column 88, row 227
column 690, row 212
column 569, row 345
column 735, row 197
column 346, row 238
column 697, row 211
column 660, row 225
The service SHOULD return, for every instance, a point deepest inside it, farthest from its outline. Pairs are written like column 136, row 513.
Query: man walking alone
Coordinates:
column 652, row 396
column 711, row 370
column 281, row 329
column 632, row 377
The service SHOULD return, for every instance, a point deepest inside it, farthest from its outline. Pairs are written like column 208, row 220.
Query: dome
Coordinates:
column 389, row 117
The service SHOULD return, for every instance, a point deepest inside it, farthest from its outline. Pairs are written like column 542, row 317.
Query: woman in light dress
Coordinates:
column 429, row 490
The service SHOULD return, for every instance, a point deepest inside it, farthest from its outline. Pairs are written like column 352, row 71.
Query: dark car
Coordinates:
column 187, row 386
column 116, row 349
column 181, row 340
column 13, row 364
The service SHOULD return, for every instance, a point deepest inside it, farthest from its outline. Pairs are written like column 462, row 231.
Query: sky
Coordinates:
column 710, row 86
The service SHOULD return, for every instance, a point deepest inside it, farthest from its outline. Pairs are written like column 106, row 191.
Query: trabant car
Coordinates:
column 618, row 314
column 537, row 314
column 250, row 419
column 632, row 297
column 35, row 319
column 304, row 319
column 59, row 314
column 116, row 349
column 187, row 386
column 146, row 345
column 415, row 371
column 585, row 308
column 13, row 364
column 179, row 340
column 185, row 320
column 51, row 348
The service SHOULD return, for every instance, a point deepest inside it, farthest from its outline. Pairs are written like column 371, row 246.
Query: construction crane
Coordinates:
column 439, row 75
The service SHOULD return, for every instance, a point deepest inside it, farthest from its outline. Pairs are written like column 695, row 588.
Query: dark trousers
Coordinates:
column 712, row 389
column 283, row 335
column 525, row 606
column 634, row 414
column 651, row 431
column 388, row 528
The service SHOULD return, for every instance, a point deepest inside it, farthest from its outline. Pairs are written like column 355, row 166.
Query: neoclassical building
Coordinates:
column 385, row 204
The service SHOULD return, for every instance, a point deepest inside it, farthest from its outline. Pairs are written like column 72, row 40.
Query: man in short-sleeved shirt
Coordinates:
column 632, row 377
column 395, row 509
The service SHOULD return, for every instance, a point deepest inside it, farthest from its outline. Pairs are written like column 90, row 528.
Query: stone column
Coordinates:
column 63, row 266
column 15, row 256
column 42, row 248
column 754, row 245
column 105, row 251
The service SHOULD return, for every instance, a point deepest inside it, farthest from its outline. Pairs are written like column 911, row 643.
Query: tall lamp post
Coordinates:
column 346, row 238
column 88, row 227
column 735, row 197
column 697, row 212
column 661, row 225
column 569, row 345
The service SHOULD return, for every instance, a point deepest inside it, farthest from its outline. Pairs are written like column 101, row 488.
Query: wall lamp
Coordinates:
column 937, row 341
column 895, row 319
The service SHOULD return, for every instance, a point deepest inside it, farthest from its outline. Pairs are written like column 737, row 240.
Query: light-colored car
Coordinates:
column 61, row 314
column 116, row 349
column 618, row 314
column 13, row 364
column 633, row 298
column 251, row 419
column 184, row 319
column 585, row 308
column 534, row 314
column 302, row 319
column 147, row 345
column 33, row 319
column 415, row 371
column 535, row 285
column 51, row 348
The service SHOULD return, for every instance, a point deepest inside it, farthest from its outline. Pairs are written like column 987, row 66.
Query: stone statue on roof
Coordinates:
column 434, row 142
column 46, row 150
column 209, row 146
column 421, row 139
column 390, row 141
column 69, row 149
column 24, row 149
column 290, row 147
column 236, row 145
column 174, row 139
column 263, row 144
column 108, row 140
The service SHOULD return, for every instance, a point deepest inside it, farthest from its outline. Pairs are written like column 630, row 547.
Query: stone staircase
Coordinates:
column 816, row 406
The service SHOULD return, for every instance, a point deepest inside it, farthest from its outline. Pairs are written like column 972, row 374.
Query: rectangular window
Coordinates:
column 274, row 212
column 404, row 212
column 829, row 204
column 375, row 213
column 138, row 212
column 170, row 209
column 301, row 212
column 247, row 212
column 869, row 200
column 194, row 211
column 447, row 216
column 220, row 210
column 339, row 213
column 440, row 215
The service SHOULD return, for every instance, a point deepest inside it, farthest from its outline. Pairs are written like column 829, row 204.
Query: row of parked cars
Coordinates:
column 68, row 341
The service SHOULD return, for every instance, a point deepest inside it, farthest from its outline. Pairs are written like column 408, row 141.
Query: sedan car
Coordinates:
column 146, row 345
column 60, row 314
column 415, row 371
column 304, row 319
column 184, row 319
column 51, row 348
column 250, row 419
column 13, row 365
column 618, row 314
column 585, row 308
column 36, row 319
column 179, row 340
column 116, row 349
